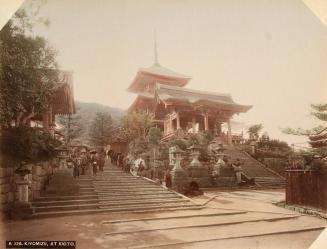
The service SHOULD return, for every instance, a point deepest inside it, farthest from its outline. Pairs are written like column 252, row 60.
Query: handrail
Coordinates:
column 263, row 165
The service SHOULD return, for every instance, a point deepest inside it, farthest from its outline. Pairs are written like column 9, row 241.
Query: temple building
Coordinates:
column 162, row 92
column 60, row 102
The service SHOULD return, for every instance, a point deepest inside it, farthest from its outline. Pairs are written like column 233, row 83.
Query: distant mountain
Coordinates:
column 85, row 114
column 87, row 111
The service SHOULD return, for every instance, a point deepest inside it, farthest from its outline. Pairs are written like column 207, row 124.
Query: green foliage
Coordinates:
column 201, row 138
column 73, row 127
column 28, row 72
column 138, row 147
column 28, row 144
column 101, row 129
column 154, row 135
column 136, row 124
column 255, row 129
column 274, row 144
column 319, row 111
column 181, row 143
column 303, row 132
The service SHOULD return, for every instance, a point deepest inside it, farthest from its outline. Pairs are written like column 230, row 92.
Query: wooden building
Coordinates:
column 162, row 92
column 60, row 102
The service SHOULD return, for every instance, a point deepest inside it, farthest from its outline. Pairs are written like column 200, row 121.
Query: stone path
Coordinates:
column 111, row 191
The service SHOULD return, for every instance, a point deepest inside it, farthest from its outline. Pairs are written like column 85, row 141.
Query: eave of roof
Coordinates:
column 157, row 71
column 178, row 94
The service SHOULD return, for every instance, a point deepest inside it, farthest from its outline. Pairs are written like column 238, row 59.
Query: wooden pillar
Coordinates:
column 206, row 122
column 193, row 124
column 170, row 124
column 229, row 133
column 218, row 128
column 178, row 121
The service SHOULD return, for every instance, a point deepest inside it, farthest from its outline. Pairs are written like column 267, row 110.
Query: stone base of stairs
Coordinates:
column 111, row 191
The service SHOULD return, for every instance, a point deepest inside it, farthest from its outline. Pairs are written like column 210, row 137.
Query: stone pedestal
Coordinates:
column 22, row 207
column 197, row 172
column 179, row 177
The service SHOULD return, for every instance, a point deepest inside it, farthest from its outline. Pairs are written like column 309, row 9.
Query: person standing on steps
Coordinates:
column 94, row 163
column 238, row 170
column 76, row 167
column 102, row 156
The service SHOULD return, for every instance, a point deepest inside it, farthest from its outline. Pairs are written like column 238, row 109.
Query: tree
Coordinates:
column 73, row 127
column 101, row 129
column 319, row 111
column 136, row 124
column 254, row 130
column 154, row 135
column 28, row 72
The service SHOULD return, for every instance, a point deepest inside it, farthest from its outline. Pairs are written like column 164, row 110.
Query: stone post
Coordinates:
column 253, row 145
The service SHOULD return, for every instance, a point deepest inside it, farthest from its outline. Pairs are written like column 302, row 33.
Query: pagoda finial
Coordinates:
column 155, row 49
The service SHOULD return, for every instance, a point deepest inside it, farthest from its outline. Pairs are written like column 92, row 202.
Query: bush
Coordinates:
column 28, row 144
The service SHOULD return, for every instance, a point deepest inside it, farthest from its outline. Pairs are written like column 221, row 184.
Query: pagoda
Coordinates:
column 162, row 92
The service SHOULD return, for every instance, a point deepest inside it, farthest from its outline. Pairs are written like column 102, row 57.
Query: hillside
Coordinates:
column 85, row 114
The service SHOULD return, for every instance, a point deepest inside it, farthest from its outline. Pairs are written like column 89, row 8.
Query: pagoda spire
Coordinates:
column 155, row 49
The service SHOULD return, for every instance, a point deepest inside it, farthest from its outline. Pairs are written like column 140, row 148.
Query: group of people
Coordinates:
column 87, row 162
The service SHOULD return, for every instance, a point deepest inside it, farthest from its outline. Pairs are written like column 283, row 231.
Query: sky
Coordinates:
column 271, row 54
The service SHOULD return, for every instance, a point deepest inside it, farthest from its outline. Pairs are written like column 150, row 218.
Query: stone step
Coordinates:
column 127, row 188
column 70, row 197
column 148, row 208
column 198, row 222
column 123, row 184
column 135, row 192
column 118, row 207
column 107, row 204
column 113, row 194
column 105, row 201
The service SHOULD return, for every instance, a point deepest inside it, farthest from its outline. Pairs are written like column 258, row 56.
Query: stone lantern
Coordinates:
column 180, row 179
column 195, row 153
column 196, row 170
column 22, row 207
column 62, row 156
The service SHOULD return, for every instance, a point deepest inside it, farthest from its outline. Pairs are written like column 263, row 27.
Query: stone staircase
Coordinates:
column 111, row 191
column 252, row 168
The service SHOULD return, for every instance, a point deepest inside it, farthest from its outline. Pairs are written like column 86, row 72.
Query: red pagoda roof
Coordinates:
column 173, row 94
column 157, row 73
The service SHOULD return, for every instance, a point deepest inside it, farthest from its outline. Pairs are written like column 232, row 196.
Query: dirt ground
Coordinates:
column 237, row 219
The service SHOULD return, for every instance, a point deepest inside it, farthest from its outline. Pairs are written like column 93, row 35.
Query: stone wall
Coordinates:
column 38, row 178
column 7, row 186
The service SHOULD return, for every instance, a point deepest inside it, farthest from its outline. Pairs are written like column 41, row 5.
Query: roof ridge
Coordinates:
column 193, row 90
column 178, row 75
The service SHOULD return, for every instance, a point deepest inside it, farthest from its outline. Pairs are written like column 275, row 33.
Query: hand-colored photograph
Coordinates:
column 178, row 124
